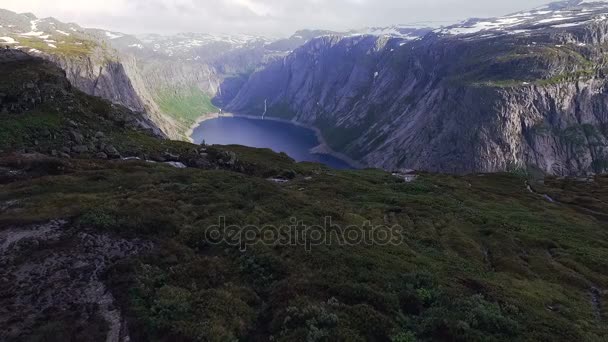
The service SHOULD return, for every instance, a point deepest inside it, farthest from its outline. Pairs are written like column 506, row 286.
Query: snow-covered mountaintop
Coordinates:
column 37, row 35
column 28, row 32
column 201, row 38
column 397, row 31
column 560, row 14
column 186, row 43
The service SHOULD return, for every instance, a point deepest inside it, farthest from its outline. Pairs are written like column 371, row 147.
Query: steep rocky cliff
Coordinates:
column 172, row 79
column 101, row 77
column 35, row 85
column 145, row 76
column 523, row 91
column 89, row 61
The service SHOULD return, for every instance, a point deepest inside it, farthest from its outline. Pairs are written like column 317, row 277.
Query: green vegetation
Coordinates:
column 482, row 258
column 508, row 66
column 568, row 76
column 65, row 46
column 22, row 130
column 185, row 105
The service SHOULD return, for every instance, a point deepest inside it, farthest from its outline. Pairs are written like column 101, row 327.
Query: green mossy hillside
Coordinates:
column 482, row 258
column 185, row 105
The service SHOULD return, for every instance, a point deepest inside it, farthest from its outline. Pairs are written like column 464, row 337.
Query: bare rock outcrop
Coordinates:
column 51, row 278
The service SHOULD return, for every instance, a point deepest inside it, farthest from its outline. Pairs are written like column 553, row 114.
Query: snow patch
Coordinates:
column 33, row 34
column 176, row 165
column 571, row 14
column 34, row 24
column 500, row 23
column 567, row 25
column 8, row 40
column 113, row 35
column 553, row 19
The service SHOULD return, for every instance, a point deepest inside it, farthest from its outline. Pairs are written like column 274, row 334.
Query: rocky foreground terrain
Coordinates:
column 53, row 272
column 105, row 236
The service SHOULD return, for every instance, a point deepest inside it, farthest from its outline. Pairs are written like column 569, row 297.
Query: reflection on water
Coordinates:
column 294, row 140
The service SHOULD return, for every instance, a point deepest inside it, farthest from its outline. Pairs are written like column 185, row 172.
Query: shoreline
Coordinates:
column 322, row 148
column 197, row 123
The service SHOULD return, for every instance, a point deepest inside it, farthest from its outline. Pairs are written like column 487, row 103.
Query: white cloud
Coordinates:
column 255, row 7
column 269, row 17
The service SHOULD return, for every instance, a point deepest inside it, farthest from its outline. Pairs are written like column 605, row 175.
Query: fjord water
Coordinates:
column 294, row 140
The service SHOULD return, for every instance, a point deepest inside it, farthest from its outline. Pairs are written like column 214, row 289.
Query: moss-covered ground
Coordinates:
column 482, row 257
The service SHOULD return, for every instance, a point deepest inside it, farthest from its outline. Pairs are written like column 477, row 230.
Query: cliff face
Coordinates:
column 35, row 85
column 89, row 61
column 177, row 76
column 527, row 98
column 117, row 79
column 99, row 77
column 169, row 79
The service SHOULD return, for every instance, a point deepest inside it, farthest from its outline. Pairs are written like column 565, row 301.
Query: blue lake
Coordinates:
column 294, row 140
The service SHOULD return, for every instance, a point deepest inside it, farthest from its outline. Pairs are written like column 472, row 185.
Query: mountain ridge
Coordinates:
column 547, row 47
column 395, row 103
column 162, row 70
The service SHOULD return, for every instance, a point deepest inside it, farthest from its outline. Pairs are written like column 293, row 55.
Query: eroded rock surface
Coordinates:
column 51, row 280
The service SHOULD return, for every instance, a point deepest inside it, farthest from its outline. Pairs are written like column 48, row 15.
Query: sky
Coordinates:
column 264, row 17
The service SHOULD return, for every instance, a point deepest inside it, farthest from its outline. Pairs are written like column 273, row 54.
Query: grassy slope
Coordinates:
column 508, row 64
column 185, row 105
column 483, row 258
column 65, row 46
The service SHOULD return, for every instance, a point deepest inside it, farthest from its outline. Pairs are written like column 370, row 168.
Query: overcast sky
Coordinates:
column 268, row 17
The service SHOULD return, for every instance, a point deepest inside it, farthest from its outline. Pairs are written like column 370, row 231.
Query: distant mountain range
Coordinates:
column 172, row 78
column 393, row 97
